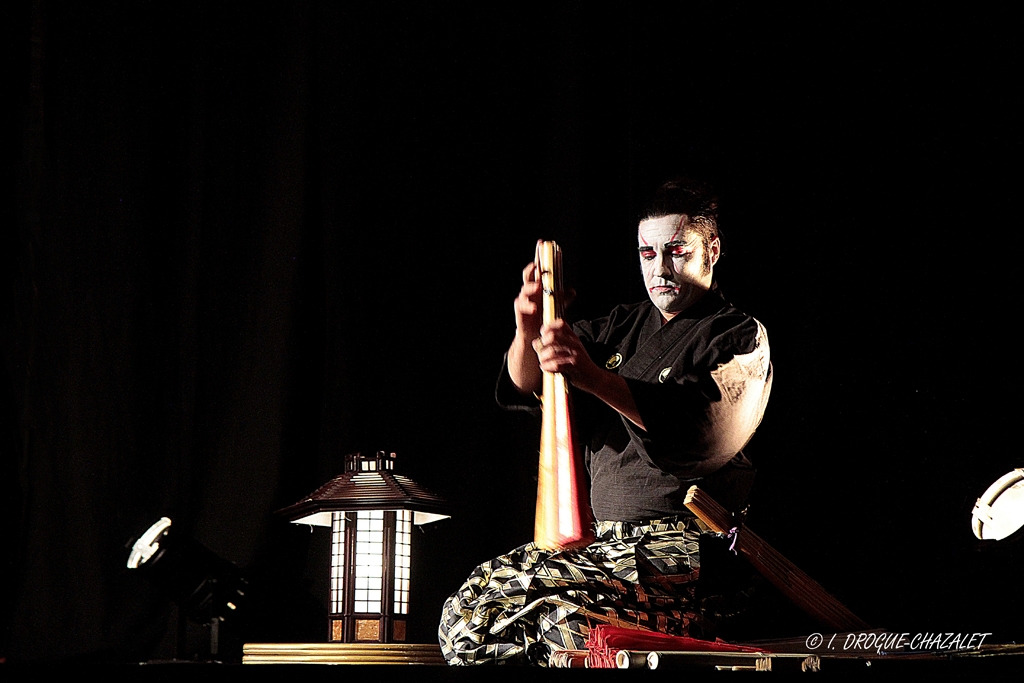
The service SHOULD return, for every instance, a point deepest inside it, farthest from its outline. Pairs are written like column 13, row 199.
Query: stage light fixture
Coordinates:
column 148, row 544
column 1000, row 511
column 209, row 589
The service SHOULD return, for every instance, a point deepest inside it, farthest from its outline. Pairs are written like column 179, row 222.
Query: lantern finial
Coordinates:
column 381, row 461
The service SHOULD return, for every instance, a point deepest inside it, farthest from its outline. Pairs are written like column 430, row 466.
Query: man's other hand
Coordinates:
column 560, row 350
column 528, row 305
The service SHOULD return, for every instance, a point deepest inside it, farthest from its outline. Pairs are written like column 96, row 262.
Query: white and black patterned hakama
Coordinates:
column 634, row 576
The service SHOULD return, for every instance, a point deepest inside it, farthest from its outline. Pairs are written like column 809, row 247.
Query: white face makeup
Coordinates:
column 673, row 261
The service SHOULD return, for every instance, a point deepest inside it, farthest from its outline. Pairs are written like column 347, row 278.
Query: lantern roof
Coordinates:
column 368, row 483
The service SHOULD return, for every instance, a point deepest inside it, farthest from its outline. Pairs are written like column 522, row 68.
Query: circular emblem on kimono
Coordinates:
column 613, row 362
column 664, row 374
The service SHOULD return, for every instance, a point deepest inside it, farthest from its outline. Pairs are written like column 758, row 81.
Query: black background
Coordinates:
column 247, row 239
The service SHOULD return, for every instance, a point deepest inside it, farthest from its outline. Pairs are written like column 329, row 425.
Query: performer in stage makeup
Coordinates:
column 666, row 394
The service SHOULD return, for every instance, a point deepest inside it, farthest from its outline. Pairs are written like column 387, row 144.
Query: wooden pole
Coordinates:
column 804, row 591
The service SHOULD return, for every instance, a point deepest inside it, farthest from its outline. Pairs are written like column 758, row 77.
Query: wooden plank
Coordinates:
column 342, row 653
column 804, row 591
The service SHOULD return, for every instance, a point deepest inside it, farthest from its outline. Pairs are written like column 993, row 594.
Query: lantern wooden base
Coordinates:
column 366, row 629
column 341, row 653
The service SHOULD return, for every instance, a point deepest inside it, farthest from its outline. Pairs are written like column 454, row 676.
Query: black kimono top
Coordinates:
column 700, row 383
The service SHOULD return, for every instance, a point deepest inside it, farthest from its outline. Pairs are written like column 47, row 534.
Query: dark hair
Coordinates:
column 686, row 195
